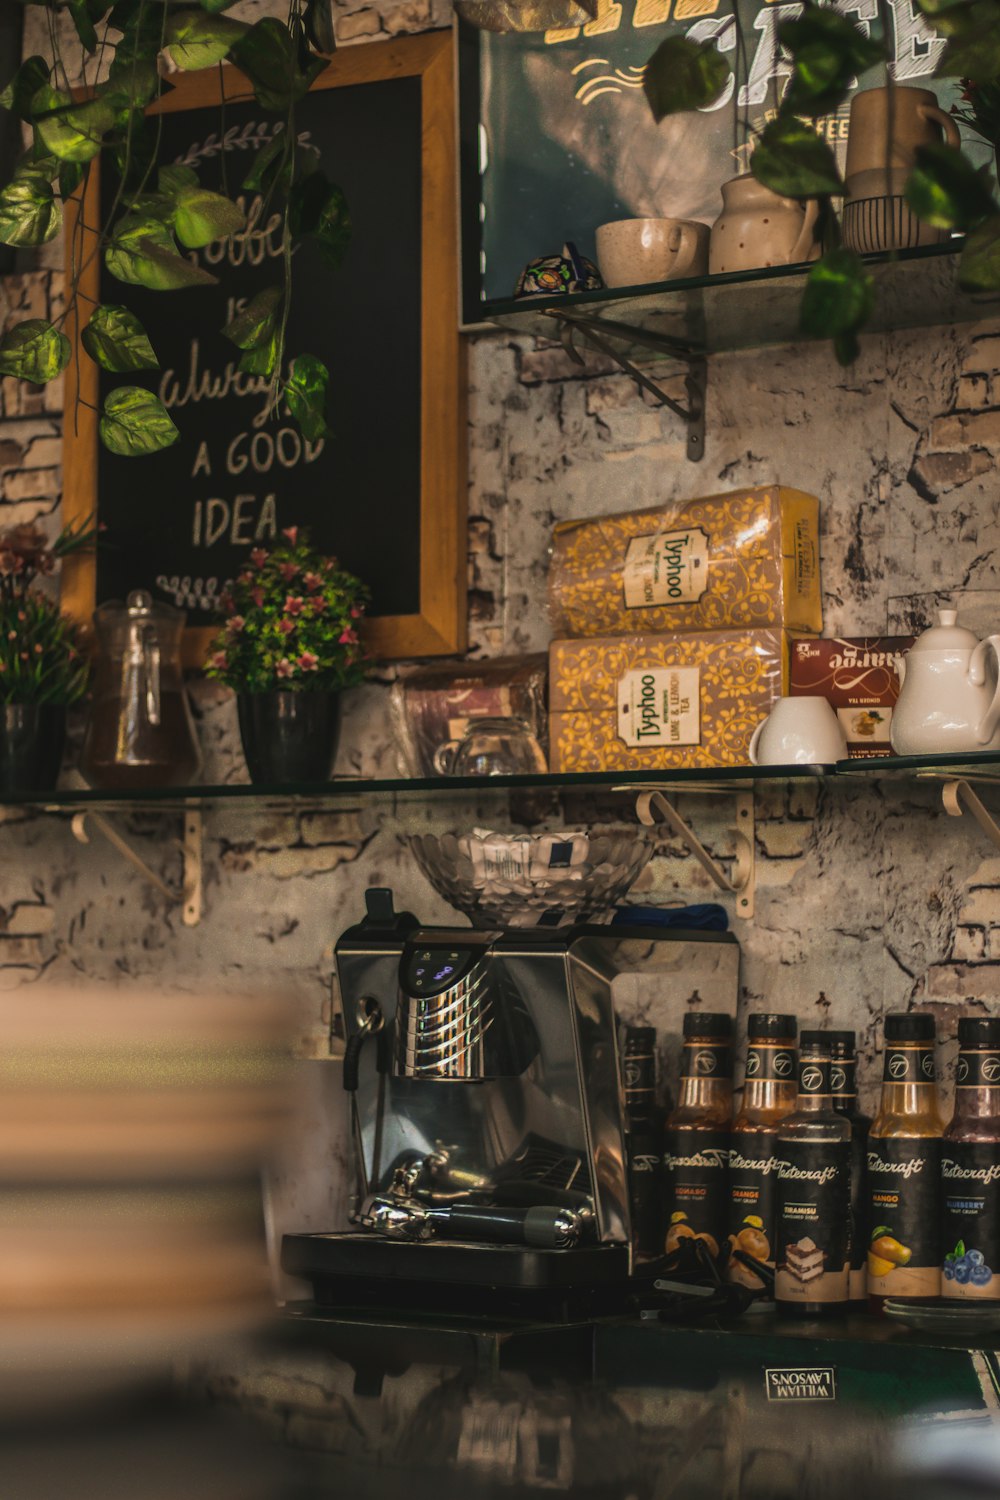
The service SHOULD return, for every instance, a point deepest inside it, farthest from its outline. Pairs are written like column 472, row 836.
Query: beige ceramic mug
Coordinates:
column 631, row 252
column 888, row 124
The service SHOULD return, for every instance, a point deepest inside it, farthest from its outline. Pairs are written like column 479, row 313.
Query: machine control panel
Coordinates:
column 432, row 970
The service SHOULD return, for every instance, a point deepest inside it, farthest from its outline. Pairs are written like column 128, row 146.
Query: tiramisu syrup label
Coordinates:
column 970, row 1219
column 812, row 1218
column 904, row 1229
column 697, row 1181
column 770, row 1061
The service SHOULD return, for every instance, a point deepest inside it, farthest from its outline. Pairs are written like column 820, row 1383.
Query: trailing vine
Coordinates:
column 825, row 51
column 161, row 215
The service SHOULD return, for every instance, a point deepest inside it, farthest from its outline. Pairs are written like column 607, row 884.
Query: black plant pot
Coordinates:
column 289, row 737
column 32, row 738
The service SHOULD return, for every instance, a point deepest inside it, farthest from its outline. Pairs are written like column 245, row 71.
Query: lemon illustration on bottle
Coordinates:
column 751, row 1238
column 680, row 1229
column 886, row 1253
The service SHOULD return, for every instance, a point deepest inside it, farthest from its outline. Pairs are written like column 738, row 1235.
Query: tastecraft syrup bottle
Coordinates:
column 843, row 1081
column 970, row 1168
column 904, row 1168
column 643, row 1140
column 769, row 1093
column 813, row 1193
column 696, row 1153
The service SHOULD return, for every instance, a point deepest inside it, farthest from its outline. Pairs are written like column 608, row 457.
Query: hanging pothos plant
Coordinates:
column 825, row 52
column 161, row 214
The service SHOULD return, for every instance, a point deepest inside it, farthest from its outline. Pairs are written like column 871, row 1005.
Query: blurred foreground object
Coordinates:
column 526, row 15
column 133, row 1127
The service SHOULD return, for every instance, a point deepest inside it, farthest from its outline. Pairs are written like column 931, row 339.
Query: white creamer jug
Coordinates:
column 949, row 700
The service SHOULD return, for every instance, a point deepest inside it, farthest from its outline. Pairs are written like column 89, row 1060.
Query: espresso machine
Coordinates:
column 484, row 1092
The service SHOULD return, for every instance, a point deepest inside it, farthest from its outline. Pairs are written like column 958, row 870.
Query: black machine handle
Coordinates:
column 543, row 1227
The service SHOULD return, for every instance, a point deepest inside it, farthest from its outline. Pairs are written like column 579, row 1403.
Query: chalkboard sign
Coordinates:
column 385, row 493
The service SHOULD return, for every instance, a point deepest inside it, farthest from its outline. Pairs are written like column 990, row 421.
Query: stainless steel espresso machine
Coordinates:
column 486, row 1107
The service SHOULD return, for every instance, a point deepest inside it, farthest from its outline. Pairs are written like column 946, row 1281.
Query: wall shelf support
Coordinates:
column 955, row 793
column 652, row 806
column 190, row 895
column 598, row 332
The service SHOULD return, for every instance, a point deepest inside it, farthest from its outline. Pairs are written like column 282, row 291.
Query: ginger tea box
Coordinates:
column 736, row 561
column 628, row 703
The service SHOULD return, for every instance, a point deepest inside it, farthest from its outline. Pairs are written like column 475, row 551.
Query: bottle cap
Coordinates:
column 915, row 1026
column 639, row 1039
column 982, row 1031
column 708, row 1023
column 815, row 1041
column 845, row 1039
column 772, row 1024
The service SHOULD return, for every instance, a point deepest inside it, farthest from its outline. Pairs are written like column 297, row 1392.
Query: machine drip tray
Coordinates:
column 350, row 1270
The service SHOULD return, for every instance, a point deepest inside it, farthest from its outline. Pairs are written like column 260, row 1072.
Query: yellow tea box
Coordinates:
column 746, row 559
column 635, row 702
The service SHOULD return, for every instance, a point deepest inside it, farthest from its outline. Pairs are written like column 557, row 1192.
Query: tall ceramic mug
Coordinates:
column 798, row 732
column 888, row 124
column 632, row 251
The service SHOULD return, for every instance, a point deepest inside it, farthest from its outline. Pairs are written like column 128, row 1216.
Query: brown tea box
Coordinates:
column 627, row 703
column 859, row 677
column 742, row 560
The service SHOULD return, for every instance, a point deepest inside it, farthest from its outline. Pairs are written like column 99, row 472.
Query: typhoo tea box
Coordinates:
column 743, row 560
column 624, row 703
column 859, row 677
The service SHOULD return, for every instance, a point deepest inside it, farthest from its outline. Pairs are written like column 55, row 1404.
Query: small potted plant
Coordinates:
column 43, row 668
column 288, row 648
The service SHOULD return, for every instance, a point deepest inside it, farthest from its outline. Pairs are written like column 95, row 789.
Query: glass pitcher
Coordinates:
column 492, row 747
column 140, row 732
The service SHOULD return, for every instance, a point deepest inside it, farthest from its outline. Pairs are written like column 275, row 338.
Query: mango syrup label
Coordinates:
column 904, row 1216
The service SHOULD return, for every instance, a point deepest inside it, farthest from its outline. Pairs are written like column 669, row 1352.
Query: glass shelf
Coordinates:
column 748, row 309
column 358, row 791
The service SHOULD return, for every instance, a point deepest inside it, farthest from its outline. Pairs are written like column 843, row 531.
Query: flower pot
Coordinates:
column 32, row 737
column 288, row 737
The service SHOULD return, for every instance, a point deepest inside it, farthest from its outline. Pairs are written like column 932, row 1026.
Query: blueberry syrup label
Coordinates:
column 970, row 1219
column 906, row 1063
column 977, row 1070
column 696, row 1169
column 706, row 1060
column 770, row 1061
column 812, row 1211
column 753, row 1166
column 904, row 1217
column 843, row 1078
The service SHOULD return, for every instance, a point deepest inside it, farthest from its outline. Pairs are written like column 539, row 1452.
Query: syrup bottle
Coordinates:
column 643, row 1140
column 970, row 1168
column 696, row 1155
column 904, row 1168
column 843, row 1081
column 769, row 1093
column 813, row 1193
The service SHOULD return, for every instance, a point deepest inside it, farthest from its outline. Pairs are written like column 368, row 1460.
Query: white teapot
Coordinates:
column 949, row 700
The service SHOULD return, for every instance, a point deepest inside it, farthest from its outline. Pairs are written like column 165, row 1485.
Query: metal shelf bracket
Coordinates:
column 190, row 895
column 652, row 806
column 597, row 332
column 954, row 793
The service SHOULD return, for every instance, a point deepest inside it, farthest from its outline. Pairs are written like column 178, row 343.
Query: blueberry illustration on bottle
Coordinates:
column 970, row 1167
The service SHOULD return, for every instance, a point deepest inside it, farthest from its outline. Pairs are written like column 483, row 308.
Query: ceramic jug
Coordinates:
column 949, row 699
column 888, row 124
column 758, row 228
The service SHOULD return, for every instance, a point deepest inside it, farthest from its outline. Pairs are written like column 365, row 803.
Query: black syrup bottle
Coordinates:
column 843, row 1081
column 970, row 1168
column 813, row 1194
column 768, row 1096
column 696, row 1153
column 643, row 1141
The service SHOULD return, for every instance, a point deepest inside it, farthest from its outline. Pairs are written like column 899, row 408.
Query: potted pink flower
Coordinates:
column 288, row 648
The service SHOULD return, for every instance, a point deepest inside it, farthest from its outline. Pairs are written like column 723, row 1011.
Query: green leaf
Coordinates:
column 945, row 190
column 960, row 1249
column 265, row 163
column 683, row 75
column 80, row 13
column 880, row 1231
column 979, row 269
column 135, row 422
column 116, row 340
column 839, row 297
column 828, row 51
column 319, row 208
column 214, row 6
column 133, row 67
column 142, row 252
column 318, row 22
column 199, row 40
column 268, row 55
column 70, row 177
column 792, row 160
column 256, row 329
column 975, row 54
column 305, row 394
column 71, row 132
column 201, row 217
column 171, row 180
column 32, row 75
column 29, row 213
column 34, row 350
column 135, row 150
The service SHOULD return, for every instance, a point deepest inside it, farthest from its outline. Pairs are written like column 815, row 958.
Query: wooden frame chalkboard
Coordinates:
column 390, row 488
